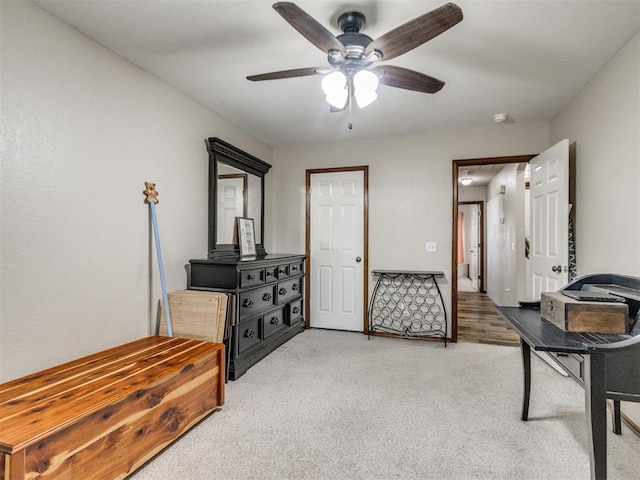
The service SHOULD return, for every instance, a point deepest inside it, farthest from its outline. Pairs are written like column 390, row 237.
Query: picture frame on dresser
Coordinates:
column 246, row 237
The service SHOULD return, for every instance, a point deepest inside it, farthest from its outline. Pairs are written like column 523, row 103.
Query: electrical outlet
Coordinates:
column 431, row 246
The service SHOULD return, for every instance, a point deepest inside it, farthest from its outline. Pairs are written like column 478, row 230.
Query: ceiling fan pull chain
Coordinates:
column 350, row 102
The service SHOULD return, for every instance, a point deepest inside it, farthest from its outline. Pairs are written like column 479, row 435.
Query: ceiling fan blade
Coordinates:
column 308, row 27
column 408, row 79
column 416, row 32
column 297, row 72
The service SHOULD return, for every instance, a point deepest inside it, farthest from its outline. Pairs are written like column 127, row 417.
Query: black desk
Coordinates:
column 608, row 366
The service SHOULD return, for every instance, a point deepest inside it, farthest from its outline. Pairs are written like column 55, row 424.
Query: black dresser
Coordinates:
column 269, row 302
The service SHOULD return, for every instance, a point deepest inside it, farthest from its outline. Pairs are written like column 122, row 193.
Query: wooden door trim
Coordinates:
column 455, row 166
column 365, row 253
column 480, row 204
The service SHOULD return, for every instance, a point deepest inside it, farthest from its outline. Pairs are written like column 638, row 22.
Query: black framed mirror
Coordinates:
column 236, row 189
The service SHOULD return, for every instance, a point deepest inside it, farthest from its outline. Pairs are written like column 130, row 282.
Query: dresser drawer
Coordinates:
column 248, row 334
column 289, row 289
column 272, row 322
column 573, row 363
column 271, row 274
column 294, row 311
column 249, row 278
column 296, row 268
column 253, row 301
column 282, row 271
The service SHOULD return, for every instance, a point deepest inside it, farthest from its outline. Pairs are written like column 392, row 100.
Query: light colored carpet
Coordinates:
column 334, row 405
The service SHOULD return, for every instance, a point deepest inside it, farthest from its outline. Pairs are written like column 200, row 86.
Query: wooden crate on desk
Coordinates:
column 197, row 315
column 582, row 316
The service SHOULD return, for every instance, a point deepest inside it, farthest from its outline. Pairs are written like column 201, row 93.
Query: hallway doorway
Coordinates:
column 485, row 326
column 470, row 246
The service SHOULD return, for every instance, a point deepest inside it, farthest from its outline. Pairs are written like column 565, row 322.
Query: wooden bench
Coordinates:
column 103, row 416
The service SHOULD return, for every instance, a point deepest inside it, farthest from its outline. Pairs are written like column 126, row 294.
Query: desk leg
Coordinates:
column 526, row 370
column 617, row 420
column 596, row 409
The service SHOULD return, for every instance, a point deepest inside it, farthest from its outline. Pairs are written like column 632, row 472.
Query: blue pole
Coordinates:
column 156, row 236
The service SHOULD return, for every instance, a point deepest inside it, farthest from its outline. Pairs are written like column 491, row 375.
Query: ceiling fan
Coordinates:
column 352, row 55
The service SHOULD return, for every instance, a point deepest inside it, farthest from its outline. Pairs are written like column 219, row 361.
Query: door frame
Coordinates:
column 455, row 166
column 480, row 204
column 365, row 234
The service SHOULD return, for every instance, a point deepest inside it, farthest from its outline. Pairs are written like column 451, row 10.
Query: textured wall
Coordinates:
column 82, row 130
column 410, row 192
column 604, row 122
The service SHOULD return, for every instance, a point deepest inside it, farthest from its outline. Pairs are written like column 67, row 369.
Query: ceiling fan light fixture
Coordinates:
column 334, row 86
column 365, row 83
column 365, row 98
column 365, row 80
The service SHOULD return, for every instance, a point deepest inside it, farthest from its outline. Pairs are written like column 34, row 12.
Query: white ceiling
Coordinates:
column 527, row 58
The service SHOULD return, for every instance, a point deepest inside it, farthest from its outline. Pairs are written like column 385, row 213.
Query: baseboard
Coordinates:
column 634, row 427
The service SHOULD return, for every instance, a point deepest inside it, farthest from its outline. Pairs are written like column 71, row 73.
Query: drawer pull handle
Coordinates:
column 248, row 303
column 296, row 310
column 282, row 291
column 294, row 269
column 294, row 287
column 251, row 276
column 282, row 271
column 250, row 333
column 269, row 273
column 274, row 320
column 266, row 297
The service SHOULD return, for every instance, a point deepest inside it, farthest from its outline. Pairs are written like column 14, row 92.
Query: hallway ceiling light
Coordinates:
column 500, row 117
column 466, row 179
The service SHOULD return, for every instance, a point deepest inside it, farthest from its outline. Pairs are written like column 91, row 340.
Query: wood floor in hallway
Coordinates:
column 478, row 321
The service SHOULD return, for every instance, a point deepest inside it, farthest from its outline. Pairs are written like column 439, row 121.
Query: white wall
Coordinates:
column 505, row 236
column 410, row 191
column 82, row 131
column 472, row 194
column 604, row 121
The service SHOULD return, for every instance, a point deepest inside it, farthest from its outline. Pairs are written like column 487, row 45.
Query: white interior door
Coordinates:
column 337, row 250
column 230, row 206
column 474, row 270
column 549, row 217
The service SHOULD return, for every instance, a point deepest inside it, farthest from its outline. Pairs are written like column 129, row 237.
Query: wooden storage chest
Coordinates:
column 585, row 317
column 104, row 415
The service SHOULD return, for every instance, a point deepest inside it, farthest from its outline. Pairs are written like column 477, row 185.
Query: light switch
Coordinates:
column 431, row 246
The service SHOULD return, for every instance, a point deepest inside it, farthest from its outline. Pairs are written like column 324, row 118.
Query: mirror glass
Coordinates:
column 239, row 195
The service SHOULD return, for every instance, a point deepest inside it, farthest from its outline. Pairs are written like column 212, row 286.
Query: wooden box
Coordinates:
column 103, row 416
column 197, row 315
column 582, row 316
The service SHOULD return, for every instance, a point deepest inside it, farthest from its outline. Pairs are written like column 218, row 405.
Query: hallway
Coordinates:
column 478, row 322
